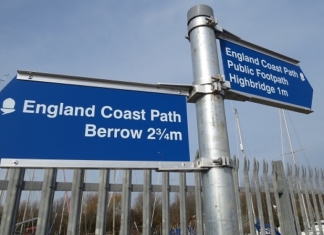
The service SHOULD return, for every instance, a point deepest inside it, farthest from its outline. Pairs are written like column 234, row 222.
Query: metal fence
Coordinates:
column 280, row 201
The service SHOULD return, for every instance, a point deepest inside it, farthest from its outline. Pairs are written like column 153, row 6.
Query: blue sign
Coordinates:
column 51, row 121
column 266, row 78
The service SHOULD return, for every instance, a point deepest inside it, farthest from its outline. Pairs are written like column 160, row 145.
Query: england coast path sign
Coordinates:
column 265, row 77
column 51, row 120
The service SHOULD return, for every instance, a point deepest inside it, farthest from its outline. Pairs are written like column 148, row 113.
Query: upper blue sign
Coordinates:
column 52, row 121
column 266, row 78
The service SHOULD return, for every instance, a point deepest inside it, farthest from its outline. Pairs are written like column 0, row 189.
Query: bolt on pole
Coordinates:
column 220, row 214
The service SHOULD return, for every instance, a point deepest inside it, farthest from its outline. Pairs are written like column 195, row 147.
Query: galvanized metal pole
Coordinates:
column 217, row 183
column 126, row 203
column 76, row 202
column 147, row 202
column 165, row 203
column 46, row 203
column 183, row 202
column 102, row 202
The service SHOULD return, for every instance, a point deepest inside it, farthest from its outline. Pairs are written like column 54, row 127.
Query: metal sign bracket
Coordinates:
column 210, row 21
column 223, row 161
column 202, row 164
column 218, row 85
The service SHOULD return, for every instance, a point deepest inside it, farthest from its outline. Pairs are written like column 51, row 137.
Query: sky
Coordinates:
column 144, row 41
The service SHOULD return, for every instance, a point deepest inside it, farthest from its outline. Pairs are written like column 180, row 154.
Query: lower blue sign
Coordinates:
column 268, row 79
column 50, row 121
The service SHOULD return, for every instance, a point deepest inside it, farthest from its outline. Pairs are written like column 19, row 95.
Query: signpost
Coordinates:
column 251, row 73
column 265, row 77
column 46, row 122
column 217, row 183
column 59, row 121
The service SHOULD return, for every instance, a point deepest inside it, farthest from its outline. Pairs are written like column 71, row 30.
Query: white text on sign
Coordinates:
column 107, row 112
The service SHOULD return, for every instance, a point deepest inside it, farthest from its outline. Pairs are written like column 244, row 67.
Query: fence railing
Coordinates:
column 279, row 201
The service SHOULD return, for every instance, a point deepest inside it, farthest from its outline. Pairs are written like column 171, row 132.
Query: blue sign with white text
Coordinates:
column 265, row 77
column 51, row 121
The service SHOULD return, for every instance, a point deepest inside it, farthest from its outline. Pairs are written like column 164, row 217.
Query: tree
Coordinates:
column 190, row 210
column 137, row 213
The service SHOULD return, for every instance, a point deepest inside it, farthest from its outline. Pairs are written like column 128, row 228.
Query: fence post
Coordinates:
column 126, row 203
column 285, row 209
column 12, row 201
column 315, row 203
column 183, row 201
column 248, row 195
column 268, row 197
column 237, row 192
column 199, row 211
column 46, row 203
column 258, row 194
column 147, row 202
column 102, row 202
column 165, row 203
column 76, row 202
column 293, row 198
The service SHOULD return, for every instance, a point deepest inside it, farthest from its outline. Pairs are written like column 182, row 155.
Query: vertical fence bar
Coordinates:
column 276, row 195
column 309, row 206
column 76, row 202
column 103, row 193
column 268, row 197
column 319, row 192
column 126, row 203
column 322, row 177
column 315, row 201
column 147, row 202
column 199, row 211
column 12, row 201
column 165, row 203
column 322, row 185
column 248, row 195
column 293, row 198
column 183, row 207
column 287, row 225
column 237, row 193
column 5, row 178
column 258, row 194
column 46, row 203
column 114, row 207
column 301, row 201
